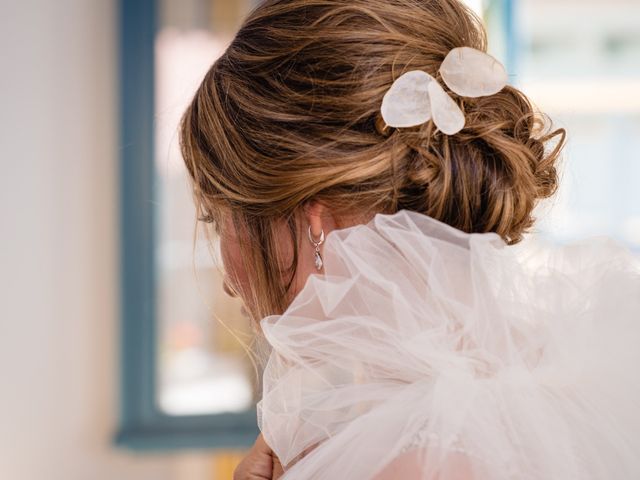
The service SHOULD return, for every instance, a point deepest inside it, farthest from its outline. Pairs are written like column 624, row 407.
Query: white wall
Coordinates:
column 58, row 257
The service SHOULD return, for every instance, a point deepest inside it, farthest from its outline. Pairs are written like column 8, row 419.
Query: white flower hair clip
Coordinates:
column 416, row 97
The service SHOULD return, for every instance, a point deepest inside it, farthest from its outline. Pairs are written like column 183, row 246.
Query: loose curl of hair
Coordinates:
column 290, row 113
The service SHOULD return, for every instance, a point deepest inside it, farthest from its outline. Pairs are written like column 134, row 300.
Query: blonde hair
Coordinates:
column 290, row 113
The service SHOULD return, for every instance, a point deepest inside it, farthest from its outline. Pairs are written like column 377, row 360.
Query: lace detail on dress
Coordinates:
column 425, row 439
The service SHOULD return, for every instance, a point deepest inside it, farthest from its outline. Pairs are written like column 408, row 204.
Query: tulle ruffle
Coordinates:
column 423, row 352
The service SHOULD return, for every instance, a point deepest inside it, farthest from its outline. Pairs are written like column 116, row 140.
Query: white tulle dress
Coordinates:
column 423, row 352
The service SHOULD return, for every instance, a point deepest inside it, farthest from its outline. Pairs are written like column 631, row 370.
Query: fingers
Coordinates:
column 277, row 467
column 262, row 446
column 258, row 463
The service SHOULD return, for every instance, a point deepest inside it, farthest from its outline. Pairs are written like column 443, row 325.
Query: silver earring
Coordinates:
column 318, row 257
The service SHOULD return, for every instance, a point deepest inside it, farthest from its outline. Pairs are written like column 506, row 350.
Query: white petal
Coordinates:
column 472, row 73
column 406, row 103
column 446, row 114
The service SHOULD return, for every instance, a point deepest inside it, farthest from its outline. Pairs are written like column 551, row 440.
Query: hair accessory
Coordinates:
column 318, row 257
column 416, row 97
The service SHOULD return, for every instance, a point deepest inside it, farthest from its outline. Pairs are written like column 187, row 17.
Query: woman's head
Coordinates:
column 286, row 126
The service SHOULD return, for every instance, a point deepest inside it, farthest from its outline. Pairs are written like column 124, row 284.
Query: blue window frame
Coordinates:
column 142, row 424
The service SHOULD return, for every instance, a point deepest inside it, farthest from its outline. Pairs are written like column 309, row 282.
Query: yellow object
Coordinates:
column 224, row 464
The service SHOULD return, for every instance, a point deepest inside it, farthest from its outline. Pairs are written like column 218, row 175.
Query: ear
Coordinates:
column 318, row 215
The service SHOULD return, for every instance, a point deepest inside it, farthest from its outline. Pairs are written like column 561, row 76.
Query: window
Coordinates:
column 186, row 382
column 580, row 63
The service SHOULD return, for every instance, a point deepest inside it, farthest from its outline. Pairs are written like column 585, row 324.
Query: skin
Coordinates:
column 261, row 463
column 315, row 214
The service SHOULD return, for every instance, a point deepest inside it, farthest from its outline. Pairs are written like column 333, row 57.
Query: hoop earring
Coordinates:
column 317, row 257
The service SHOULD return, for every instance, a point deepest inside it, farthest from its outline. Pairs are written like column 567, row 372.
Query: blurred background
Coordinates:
column 120, row 356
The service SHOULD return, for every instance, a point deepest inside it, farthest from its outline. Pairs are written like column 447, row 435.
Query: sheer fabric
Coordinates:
column 424, row 352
